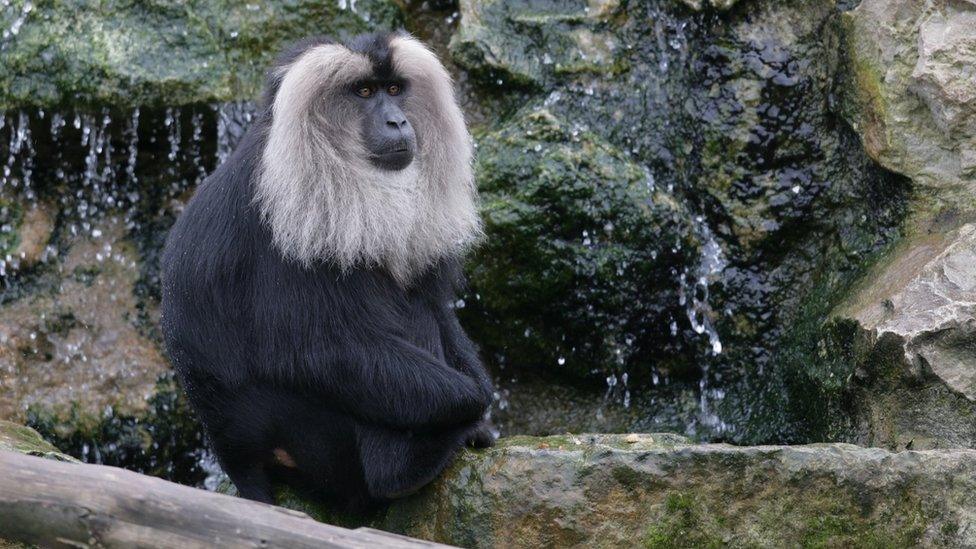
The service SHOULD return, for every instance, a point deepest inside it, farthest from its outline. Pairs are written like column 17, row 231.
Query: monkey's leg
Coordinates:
column 321, row 446
column 398, row 463
column 242, row 440
column 251, row 481
column 242, row 458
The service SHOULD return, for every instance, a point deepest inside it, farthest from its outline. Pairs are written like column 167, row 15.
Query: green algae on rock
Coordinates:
column 18, row 438
column 76, row 52
column 529, row 44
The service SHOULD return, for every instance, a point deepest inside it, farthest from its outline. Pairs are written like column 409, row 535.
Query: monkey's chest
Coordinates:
column 421, row 328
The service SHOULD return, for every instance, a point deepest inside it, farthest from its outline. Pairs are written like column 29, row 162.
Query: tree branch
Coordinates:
column 52, row 503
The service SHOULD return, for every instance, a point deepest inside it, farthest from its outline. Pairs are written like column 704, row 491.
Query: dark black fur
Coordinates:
column 369, row 387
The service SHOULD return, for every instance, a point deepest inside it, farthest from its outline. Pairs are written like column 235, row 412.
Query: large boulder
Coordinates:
column 910, row 94
column 910, row 337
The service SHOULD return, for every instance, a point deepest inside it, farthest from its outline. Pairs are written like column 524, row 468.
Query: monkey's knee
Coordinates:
column 284, row 459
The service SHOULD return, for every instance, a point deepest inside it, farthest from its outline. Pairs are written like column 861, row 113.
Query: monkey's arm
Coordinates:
column 459, row 351
column 390, row 382
column 462, row 354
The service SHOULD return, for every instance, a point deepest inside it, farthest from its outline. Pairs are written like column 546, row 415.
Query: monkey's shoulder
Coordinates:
column 215, row 233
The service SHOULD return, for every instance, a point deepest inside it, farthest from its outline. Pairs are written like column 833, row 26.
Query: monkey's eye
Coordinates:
column 364, row 91
column 393, row 89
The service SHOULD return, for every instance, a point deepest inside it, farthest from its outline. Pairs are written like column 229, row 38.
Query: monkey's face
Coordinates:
column 367, row 160
column 387, row 135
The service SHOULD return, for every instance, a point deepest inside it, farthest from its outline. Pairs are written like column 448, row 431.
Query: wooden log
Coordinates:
column 58, row 504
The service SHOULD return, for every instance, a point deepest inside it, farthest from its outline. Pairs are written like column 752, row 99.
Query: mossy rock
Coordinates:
column 661, row 491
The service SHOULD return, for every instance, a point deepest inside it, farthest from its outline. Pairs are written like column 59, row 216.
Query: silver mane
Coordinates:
column 324, row 201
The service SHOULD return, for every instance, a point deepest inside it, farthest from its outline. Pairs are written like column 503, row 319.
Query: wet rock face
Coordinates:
column 580, row 236
column 669, row 192
column 74, row 345
column 159, row 53
column 698, row 5
column 90, row 197
column 731, row 115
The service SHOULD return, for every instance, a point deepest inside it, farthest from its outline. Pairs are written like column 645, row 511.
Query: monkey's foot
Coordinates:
column 483, row 436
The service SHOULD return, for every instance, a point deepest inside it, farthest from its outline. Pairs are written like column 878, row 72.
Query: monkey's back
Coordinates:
column 205, row 280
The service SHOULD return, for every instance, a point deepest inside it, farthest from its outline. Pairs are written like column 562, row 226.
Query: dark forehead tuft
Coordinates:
column 376, row 47
column 294, row 51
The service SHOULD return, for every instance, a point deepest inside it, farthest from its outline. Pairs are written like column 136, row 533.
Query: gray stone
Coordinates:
column 938, row 300
column 912, row 326
column 908, row 330
column 946, row 70
column 911, row 67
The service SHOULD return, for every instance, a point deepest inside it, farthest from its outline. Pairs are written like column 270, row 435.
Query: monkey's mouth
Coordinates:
column 393, row 159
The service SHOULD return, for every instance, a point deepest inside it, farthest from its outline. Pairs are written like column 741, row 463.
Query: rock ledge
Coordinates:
column 660, row 490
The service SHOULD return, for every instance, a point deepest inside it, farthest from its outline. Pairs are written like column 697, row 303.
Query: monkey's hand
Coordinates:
column 482, row 436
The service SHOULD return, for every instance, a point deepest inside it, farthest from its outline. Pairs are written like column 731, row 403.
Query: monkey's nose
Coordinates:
column 397, row 123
